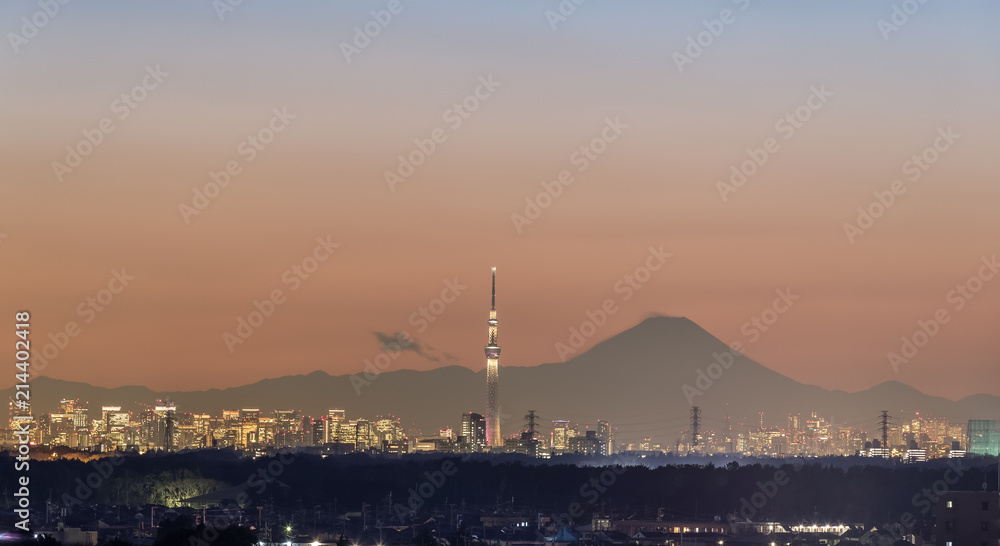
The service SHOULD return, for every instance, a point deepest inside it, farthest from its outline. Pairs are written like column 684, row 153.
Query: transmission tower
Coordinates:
column 528, row 436
column 695, row 425
column 885, row 433
column 529, row 419
column 169, row 431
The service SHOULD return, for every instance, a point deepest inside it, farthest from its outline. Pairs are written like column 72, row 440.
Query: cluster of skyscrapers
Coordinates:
column 162, row 427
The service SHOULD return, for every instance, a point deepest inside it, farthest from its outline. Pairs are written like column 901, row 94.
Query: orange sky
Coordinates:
column 655, row 185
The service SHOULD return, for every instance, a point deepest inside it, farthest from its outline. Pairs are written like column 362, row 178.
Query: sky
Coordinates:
column 384, row 155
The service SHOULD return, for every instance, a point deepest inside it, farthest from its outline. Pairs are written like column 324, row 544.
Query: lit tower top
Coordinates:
column 493, row 437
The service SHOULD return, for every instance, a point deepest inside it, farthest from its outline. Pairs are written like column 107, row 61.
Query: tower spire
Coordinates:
column 493, row 437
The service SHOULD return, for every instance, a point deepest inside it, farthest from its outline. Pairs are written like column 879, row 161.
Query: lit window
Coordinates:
column 948, row 505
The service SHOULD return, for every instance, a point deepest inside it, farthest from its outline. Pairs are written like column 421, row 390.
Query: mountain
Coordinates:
column 636, row 380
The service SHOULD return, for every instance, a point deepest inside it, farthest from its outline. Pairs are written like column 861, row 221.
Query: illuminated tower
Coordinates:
column 493, row 438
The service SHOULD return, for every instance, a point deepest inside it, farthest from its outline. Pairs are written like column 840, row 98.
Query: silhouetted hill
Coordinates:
column 634, row 379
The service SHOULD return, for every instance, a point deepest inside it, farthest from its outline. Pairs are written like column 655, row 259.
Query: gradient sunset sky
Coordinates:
column 655, row 185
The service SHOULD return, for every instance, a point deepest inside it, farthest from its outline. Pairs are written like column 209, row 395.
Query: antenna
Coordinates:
column 494, row 303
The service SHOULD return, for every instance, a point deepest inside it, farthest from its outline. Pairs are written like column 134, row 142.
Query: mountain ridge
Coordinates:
column 643, row 379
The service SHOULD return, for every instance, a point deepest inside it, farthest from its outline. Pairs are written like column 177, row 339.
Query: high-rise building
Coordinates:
column 319, row 431
column 163, row 431
column 474, row 430
column 80, row 417
column 249, row 426
column 362, row 434
column 336, row 419
column 116, row 423
column 389, row 430
column 588, row 444
column 605, row 437
column 202, row 424
column 984, row 437
column 966, row 517
column 233, row 427
column 287, row 428
column 560, row 435
column 493, row 436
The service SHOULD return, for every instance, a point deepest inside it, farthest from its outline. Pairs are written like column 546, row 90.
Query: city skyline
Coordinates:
column 750, row 275
column 913, row 438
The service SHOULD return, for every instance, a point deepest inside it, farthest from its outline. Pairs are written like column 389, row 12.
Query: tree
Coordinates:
column 234, row 535
column 425, row 537
column 174, row 532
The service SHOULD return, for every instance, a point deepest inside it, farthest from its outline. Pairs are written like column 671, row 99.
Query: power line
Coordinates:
column 695, row 424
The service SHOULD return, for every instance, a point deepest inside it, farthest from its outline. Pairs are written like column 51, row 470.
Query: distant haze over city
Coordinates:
column 643, row 381
column 355, row 187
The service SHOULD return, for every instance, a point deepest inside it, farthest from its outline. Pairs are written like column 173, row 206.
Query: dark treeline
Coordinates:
column 835, row 489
